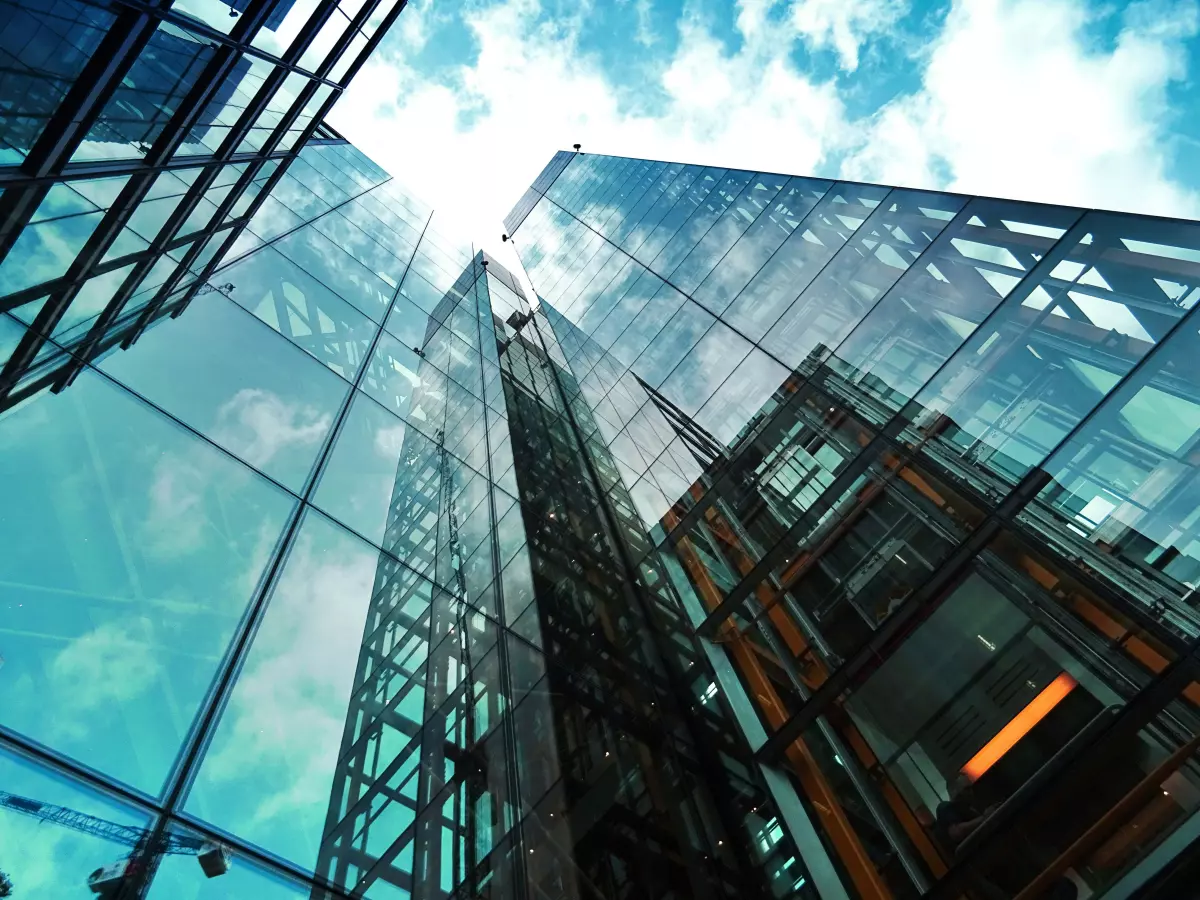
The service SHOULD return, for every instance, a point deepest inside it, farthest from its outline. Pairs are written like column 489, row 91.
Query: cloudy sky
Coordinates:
column 1081, row 102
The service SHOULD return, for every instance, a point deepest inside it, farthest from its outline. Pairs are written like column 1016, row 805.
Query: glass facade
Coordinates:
column 138, row 141
column 917, row 472
column 259, row 618
column 799, row 539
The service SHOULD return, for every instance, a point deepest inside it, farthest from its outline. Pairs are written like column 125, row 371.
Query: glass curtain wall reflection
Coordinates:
column 137, row 142
column 252, row 622
column 917, row 469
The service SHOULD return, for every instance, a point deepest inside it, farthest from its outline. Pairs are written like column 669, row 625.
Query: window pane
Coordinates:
column 1055, row 348
column 274, row 765
column 126, row 574
column 1125, row 495
column 45, row 859
column 43, row 48
column 337, row 270
column 301, row 309
column 45, row 251
column 148, row 96
column 227, row 375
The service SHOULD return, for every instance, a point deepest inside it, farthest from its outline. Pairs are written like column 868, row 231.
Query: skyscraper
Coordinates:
column 135, row 145
column 920, row 471
column 799, row 539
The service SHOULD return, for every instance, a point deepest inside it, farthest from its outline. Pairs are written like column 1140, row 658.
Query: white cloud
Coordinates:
column 257, row 424
column 1017, row 101
column 279, row 738
column 474, row 142
column 109, row 666
column 844, row 25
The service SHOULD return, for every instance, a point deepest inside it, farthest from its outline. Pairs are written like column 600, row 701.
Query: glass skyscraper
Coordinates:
column 799, row 539
column 919, row 473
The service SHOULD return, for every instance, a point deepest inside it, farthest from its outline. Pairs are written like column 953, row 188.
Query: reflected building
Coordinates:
column 799, row 539
column 919, row 470
column 136, row 144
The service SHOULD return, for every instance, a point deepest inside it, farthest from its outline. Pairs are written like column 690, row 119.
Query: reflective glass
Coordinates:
column 812, row 243
column 976, row 262
column 302, row 309
column 737, row 402
column 410, row 388
column 762, row 237
column 237, row 382
column 45, row 251
column 45, row 859
column 361, row 246
column 91, row 300
column 271, row 219
column 271, row 771
column 1123, row 494
column 365, row 471
column 337, row 270
column 672, row 343
column 129, row 568
column 161, row 77
column 704, row 368
column 1059, row 344
column 43, row 48
column 888, row 242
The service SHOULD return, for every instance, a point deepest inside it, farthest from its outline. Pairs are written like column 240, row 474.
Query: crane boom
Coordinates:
column 128, row 835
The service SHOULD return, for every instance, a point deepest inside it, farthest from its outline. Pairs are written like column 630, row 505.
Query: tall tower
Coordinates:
column 920, row 470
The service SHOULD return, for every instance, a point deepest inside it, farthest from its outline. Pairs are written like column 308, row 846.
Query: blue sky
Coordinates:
column 1081, row 102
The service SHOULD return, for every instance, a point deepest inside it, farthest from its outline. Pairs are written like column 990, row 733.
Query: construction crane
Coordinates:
column 108, row 880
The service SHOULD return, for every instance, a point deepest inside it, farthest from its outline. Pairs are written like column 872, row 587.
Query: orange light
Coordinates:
column 1036, row 710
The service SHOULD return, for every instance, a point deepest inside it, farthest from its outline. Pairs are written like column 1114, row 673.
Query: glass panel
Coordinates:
column 149, row 95
column 43, row 48
column 701, row 233
column 672, row 344
column 338, row 271
column 310, row 724
column 399, row 379
column 376, row 465
column 360, row 245
column 704, row 368
column 180, row 876
column 126, row 574
column 736, row 405
column 651, row 321
column 91, row 300
column 271, row 219
column 832, row 222
column 408, row 323
column 934, row 307
column 282, row 26
column 761, row 239
column 1056, row 348
column 45, row 251
column 298, row 198
column 45, row 859
column 421, row 292
column 1124, row 491
column 319, row 49
column 301, row 309
column 237, row 382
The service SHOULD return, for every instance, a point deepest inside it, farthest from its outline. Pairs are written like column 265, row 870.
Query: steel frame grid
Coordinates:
column 48, row 163
column 165, row 809
column 888, row 433
column 1000, row 517
column 633, row 593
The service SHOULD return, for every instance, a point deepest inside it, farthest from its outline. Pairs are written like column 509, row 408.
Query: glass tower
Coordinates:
column 917, row 475
column 800, row 539
column 137, row 140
